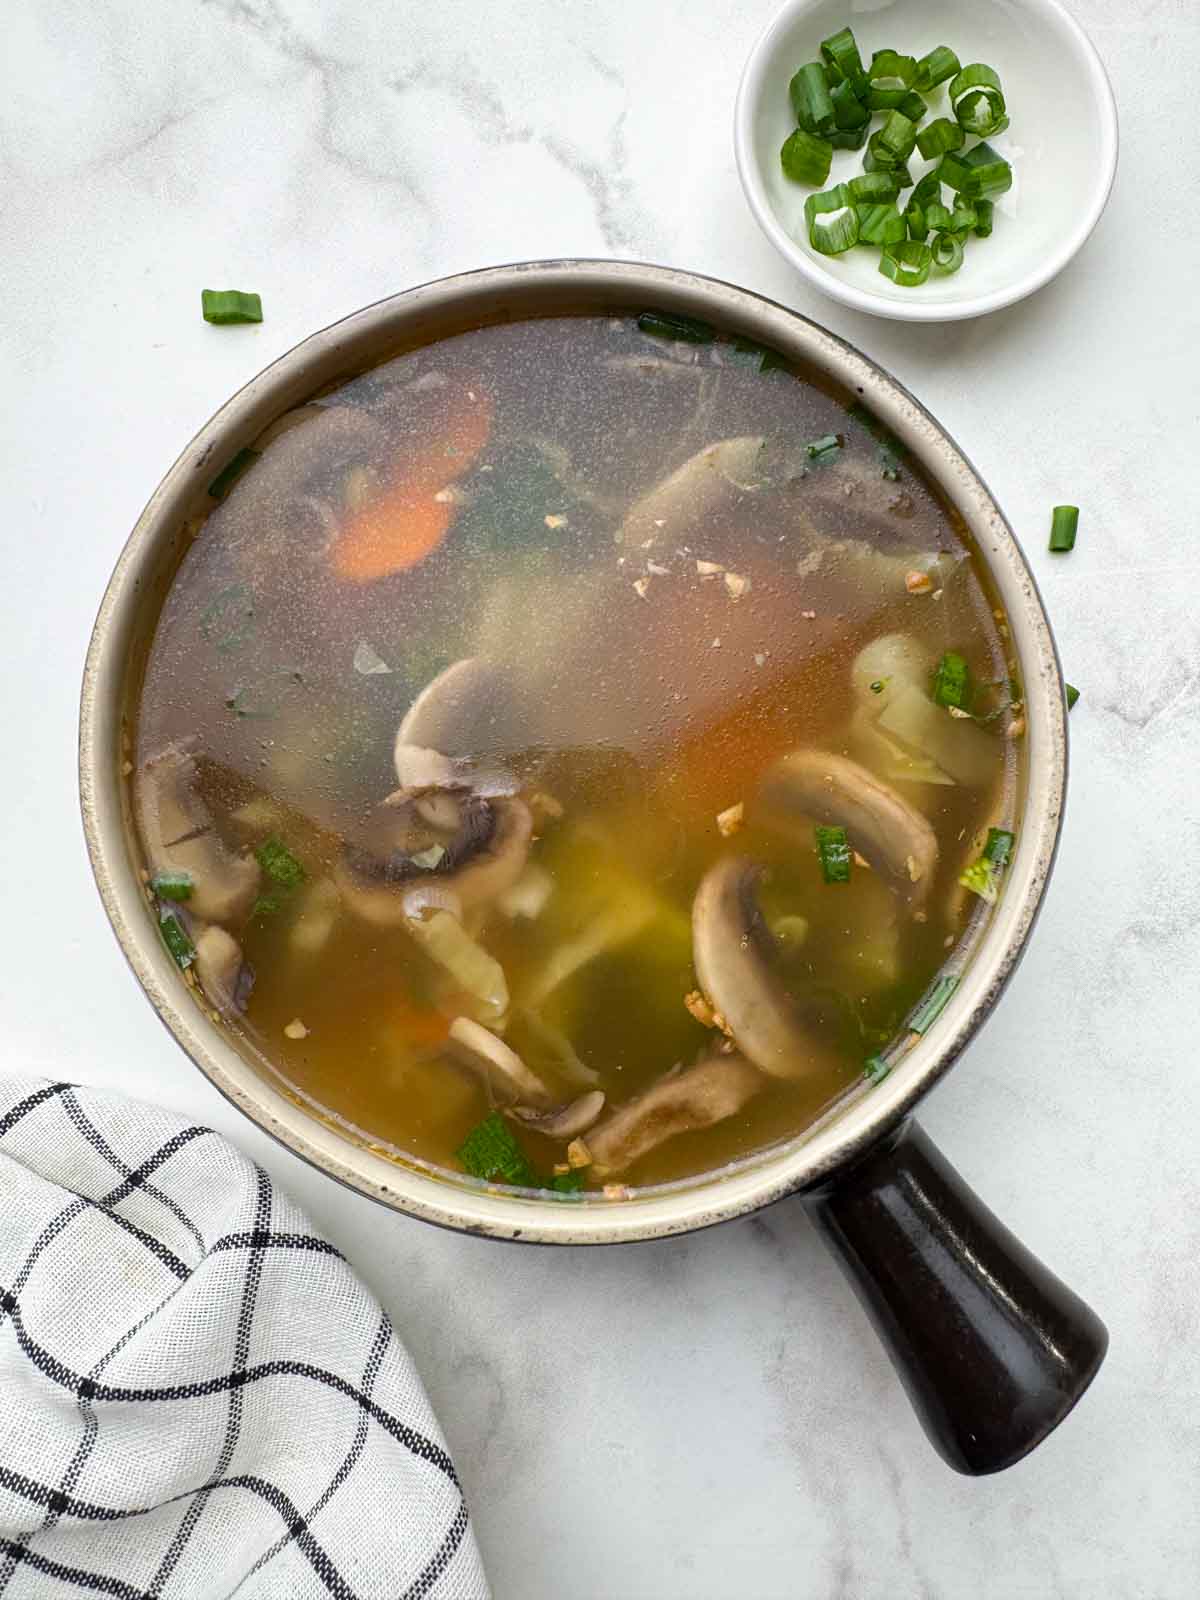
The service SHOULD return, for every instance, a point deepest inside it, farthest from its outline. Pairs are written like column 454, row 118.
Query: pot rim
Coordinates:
column 531, row 288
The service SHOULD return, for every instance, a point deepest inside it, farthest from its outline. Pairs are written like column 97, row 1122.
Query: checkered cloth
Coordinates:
column 198, row 1399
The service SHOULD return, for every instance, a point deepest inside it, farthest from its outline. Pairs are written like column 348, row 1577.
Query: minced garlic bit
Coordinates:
column 716, row 644
column 451, row 495
column 617, row 1191
column 555, row 520
column 957, row 711
column 126, row 768
column 923, row 916
column 656, row 571
column 918, row 582
column 700, row 1008
column 561, row 1168
column 296, row 1029
column 736, row 584
column 578, row 1154
column 1016, row 727
column 641, row 585
column 914, row 870
column 731, row 819
column 709, row 569
column 861, row 861
column 809, row 616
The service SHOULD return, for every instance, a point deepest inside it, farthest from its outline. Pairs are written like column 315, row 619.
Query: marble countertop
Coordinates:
column 706, row 1417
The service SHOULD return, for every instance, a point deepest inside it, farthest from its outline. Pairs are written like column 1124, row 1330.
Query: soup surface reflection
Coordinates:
column 560, row 747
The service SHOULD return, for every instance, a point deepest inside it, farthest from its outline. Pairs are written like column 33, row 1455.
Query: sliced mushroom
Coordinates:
column 735, row 956
column 679, row 1103
column 815, row 785
column 179, row 836
column 460, row 715
column 705, row 484
column 565, row 1122
column 224, row 976
column 504, row 1074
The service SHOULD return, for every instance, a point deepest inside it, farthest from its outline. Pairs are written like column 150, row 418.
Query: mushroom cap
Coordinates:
column 816, row 785
column 223, row 974
column 681, row 1102
column 465, row 713
column 179, row 836
column 734, row 956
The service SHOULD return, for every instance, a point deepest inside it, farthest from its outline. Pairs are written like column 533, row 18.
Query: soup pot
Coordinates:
column 993, row 1349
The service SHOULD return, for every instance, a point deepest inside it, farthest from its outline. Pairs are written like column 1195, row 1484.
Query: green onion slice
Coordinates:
column 832, row 221
column 940, row 136
column 877, row 159
column 177, row 940
column 980, row 173
column 805, row 158
column 824, row 448
column 278, row 862
column 1072, row 695
column 983, row 876
column 1064, row 524
column 833, row 849
column 231, row 472
column 811, row 101
column 983, row 219
column 915, row 222
column 963, row 218
column 848, row 110
column 490, row 1151
column 934, row 1003
column 906, row 264
column 876, row 188
column 951, row 679
column 880, row 224
column 876, row 1069
column 840, row 52
column 890, row 78
column 947, row 253
column 913, row 107
column 939, row 216
column 999, row 846
column 935, row 68
column 224, row 306
column 977, row 100
column 897, row 136
column 850, row 138
column 670, row 325
column 172, row 885
column 929, row 190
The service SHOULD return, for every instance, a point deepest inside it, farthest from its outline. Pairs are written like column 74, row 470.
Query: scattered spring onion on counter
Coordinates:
column 834, row 100
column 226, row 306
column 1064, row 524
column 833, row 850
column 983, row 876
column 172, row 885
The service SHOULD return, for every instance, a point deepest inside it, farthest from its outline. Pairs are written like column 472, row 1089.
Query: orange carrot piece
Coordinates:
column 405, row 523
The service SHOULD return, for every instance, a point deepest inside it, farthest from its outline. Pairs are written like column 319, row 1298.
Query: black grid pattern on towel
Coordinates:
column 174, row 1525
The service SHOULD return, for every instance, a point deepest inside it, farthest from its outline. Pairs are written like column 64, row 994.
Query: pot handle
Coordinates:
column 992, row 1348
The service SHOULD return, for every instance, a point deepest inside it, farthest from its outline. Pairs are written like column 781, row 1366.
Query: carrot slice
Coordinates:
column 405, row 523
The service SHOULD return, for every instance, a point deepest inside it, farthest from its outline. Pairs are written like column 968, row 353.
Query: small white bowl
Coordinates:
column 1062, row 144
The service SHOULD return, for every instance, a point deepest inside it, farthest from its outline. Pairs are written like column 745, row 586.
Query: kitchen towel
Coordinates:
column 198, row 1399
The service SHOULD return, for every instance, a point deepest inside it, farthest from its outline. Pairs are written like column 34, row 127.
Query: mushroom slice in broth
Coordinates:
column 681, row 1102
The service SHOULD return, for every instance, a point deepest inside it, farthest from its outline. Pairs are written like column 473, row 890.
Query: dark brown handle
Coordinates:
column 992, row 1348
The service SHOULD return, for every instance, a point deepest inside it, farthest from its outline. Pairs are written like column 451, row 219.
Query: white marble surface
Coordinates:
column 709, row 1417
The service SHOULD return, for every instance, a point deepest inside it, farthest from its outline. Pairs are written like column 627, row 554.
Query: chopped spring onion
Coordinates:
column 927, row 193
column 279, row 864
column 978, row 100
column 906, row 264
column 978, row 173
column 231, row 472
column 934, row 1003
column 951, row 680
column 805, row 158
column 490, row 1151
column 266, row 905
column 172, row 885
column 223, row 306
column 1064, row 523
column 850, row 138
column 849, row 113
column 873, row 188
column 935, row 68
column 177, row 940
column 671, row 325
column 939, row 137
column 811, row 100
column 983, row 219
column 963, row 218
column 947, row 253
column 1072, row 695
column 913, row 107
column 832, row 221
column 833, row 850
column 824, row 448
column 568, row 1182
column 879, row 224
column 840, row 54
column 877, row 159
column 889, row 79
column 876, row 1069
column 938, row 216
column 983, row 876
column 897, row 136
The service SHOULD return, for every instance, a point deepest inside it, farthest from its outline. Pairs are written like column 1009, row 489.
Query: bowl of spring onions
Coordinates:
column 928, row 161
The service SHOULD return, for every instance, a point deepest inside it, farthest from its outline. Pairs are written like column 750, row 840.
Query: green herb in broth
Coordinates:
column 641, row 602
